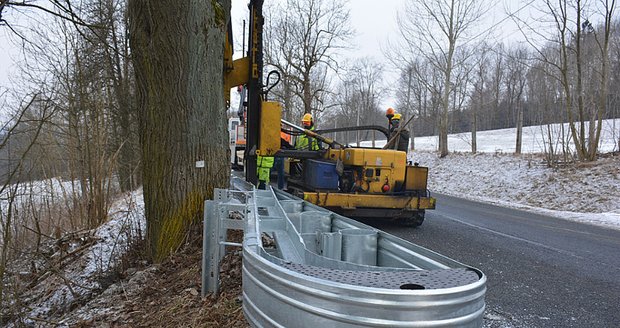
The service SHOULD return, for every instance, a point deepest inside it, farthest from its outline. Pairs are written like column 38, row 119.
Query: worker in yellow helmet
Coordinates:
column 303, row 142
column 402, row 141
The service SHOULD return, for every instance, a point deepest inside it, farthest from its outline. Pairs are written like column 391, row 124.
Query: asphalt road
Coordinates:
column 542, row 271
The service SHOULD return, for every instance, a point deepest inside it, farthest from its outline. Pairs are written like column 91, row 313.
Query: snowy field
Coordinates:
column 503, row 140
column 534, row 138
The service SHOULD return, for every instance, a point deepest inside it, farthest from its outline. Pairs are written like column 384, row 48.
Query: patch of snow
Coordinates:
column 504, row 140
column 83, row 277
column 534, row 139
column 589, row 194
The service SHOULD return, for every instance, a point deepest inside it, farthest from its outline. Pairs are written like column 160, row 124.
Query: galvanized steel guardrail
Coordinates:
column 305, row 266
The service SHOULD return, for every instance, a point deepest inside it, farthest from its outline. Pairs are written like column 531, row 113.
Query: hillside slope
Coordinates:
column 585, row 192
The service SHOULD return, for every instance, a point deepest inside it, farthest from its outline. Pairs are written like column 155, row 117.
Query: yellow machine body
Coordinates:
column 379, row 167
column 358, row 201
column 377, row 173
column 269, row 138
column 416, row 178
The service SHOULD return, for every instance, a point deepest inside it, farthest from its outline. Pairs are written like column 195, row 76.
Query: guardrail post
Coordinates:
column 210, row 249
column 215, row 227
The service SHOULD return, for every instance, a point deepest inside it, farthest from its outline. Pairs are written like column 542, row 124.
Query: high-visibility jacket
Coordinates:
column 264, row 165
column 303, row 140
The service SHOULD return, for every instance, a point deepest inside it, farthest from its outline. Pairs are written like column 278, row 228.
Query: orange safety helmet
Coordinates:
column 389, row 113
column 307, row 119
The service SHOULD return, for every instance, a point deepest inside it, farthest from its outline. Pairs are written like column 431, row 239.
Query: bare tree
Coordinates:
column 581, row 65
column 603, row 41
column 614, row 87
column 302, row 43
column 418, row 94
column 178, row 50
column 27, row 121
column 515, row 89
column 544, row 95
column 85, row 65
column 113, row 40
column 478, row 95
column 358, row 96
column 432, row 30
column 497, row 81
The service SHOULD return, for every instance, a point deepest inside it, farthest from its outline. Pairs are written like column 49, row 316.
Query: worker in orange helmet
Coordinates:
column 389, row 113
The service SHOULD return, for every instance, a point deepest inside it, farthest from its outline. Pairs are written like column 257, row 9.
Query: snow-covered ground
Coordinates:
column 87, row 258
column 534, row 139
column 588, row 192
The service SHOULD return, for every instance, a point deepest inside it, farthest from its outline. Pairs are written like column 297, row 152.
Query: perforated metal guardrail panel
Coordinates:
column 420, row 279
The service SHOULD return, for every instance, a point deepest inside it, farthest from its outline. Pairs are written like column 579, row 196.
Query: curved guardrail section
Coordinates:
column 305, row 266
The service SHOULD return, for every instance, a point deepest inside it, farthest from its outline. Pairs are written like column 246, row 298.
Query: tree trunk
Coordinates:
column 307, row 94
column 519, row 141
column 409, row 109
column 178, row 50
column 474, row 128
column 445, row 104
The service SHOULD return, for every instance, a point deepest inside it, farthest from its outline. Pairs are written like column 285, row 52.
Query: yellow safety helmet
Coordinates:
column 396, row 117
column 307, row 119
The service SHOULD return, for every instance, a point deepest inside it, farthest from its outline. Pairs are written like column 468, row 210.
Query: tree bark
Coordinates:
column 519, row 141
column 178, row 49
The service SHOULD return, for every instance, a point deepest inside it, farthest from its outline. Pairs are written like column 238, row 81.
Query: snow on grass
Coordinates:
column 86, row 275
column 504, row 140
column 534, row 139
column 126, row 220
column 54, row 189
column 588, row 193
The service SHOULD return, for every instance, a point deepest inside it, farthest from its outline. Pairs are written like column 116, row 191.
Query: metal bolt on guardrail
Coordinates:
column 322, row 268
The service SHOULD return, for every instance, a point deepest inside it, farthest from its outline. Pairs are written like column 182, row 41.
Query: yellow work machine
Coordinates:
column 373, row 183
column 353, row 181
column 361, row 182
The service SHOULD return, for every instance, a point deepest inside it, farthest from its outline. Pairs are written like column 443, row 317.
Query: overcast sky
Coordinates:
column 374, row 22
